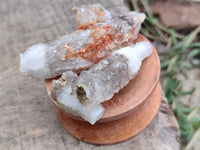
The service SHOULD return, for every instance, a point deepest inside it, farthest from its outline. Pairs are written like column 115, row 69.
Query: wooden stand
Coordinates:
column 128, row 113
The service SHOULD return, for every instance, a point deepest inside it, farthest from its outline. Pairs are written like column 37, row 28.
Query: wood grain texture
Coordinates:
column 27, row 117
column 116, row 131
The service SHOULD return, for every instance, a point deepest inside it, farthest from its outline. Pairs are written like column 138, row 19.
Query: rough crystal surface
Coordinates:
column 94, row 13
column 64, row 91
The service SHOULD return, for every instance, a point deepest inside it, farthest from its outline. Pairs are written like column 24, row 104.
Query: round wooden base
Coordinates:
column 117, row 130
column 128, row 113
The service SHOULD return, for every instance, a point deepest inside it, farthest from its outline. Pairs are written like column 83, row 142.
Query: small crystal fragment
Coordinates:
column 91, row 14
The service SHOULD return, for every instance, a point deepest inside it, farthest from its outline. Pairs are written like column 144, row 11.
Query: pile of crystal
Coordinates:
column 94, row 62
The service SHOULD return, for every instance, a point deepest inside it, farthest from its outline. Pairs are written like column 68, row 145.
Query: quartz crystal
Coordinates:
column 94, row 40
column 90, row 14
column 83, row 94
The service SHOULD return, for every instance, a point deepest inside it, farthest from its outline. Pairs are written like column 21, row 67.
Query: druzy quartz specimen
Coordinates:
column 92, row 41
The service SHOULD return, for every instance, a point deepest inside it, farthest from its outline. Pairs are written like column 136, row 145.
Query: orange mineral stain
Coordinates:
column 100, row 43
column 104, row 38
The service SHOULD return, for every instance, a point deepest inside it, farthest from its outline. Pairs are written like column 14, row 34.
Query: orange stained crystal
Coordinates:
column 99, row 44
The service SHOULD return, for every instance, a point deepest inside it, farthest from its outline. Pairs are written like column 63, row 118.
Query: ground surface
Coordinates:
column 27, row 116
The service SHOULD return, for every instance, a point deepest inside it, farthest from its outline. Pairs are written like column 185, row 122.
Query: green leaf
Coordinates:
column 191, row 37
column 187, row 92
column 164, row 64
column 193, row 53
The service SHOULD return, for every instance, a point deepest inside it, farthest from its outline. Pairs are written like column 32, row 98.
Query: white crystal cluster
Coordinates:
column 135, row 54
column 34, row 61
